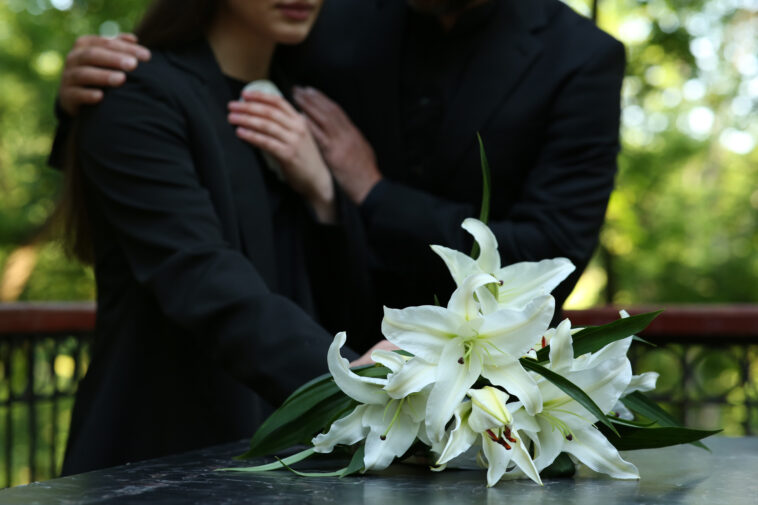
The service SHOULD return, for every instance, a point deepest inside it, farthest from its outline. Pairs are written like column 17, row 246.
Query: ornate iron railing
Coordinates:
column 44, row 351
column 707, row 357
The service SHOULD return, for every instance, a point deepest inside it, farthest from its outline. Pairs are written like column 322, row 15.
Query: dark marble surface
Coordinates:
column 684, row 474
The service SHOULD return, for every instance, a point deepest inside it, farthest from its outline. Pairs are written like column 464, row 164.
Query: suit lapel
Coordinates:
column 246, row 186
column 507, row 49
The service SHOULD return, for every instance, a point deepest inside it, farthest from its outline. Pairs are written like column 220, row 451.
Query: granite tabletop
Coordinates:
column 683, row 474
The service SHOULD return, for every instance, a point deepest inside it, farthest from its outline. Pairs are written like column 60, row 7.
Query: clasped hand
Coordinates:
column 273, row 125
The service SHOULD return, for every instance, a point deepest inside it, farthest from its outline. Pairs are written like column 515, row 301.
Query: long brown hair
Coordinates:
column 167, row 24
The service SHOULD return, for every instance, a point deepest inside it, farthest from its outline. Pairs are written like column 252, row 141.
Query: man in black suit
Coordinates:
column 416, row 81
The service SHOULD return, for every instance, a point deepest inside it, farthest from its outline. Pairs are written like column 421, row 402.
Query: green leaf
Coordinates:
column 630, row 437
column 594, row 338
column 560, row 468
column 484, row 212
column 639, row 403
column 356, row 463
column 570, row 389
column 634, row 424
column 309, row 410
column 293, row 411
column 277, row 465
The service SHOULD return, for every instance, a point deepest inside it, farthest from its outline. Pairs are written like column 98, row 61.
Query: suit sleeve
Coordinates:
column 564, row 197
column 138, row 163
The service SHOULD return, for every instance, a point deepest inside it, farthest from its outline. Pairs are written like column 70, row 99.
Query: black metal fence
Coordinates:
column 44, row 352
column 707, row 358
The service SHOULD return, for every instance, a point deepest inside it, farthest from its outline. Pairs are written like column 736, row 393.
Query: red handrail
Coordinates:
column 47, row 317
column 675, row 321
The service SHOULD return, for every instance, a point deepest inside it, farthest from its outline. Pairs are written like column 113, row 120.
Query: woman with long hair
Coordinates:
column 206, row 262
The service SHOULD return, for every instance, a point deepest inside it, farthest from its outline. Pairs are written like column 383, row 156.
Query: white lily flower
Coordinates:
column 388, row 425
column 516, row 285
column 643, row 382
column 564, row 425
column 487, row 417
column 453, row 346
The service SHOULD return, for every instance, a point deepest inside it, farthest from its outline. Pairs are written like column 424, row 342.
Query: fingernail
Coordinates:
column 116, row 78
column 143, row 53
column 129, row 63
column 310, row 91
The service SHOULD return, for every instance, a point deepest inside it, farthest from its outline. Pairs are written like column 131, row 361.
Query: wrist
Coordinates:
column 359, row 194
column 322, row 201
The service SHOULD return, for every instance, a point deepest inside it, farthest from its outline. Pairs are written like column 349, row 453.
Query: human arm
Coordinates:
column 138, row 159
column 93, row 64
column 270, row 123
column 556, row 210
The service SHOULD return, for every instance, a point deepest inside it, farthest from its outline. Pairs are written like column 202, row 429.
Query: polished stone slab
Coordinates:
column 684, row 474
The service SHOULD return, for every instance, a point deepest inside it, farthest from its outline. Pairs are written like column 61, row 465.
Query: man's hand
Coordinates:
column 94, row 63
column 385, row 345
column 350, row 157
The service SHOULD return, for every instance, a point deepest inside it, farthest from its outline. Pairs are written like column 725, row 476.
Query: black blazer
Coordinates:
column 192, row 339
column 543, row 91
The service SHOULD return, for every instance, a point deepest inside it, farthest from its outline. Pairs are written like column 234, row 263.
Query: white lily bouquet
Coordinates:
column 485, row 378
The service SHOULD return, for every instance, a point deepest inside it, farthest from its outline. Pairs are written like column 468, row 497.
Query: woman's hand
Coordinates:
column 385, row 345
column 272, row 124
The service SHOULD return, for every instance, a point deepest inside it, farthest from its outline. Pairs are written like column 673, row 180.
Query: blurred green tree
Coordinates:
column 682, row 225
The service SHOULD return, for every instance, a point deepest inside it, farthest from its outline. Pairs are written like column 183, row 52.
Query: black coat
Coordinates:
column 192, row 339
column 544, row 92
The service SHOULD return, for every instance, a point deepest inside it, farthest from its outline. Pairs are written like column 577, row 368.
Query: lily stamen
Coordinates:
column 394, row 418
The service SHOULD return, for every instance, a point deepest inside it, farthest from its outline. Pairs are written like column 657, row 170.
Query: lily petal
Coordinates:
column 454, row 378
column 382, row 449
column 415, row 406
column 604, row 384
column 361, row 389
column 460, row 265
column 497, row 460
column 526, row 280
column 591, row 448
column 642, row 382
column 517, row 331
column 488, row 409
column 414, row 376
column 345, row 431
column 390, row 359
column 460, row 438
column 522, row 459
column 548, row 444
column 509, row 374
column 462, row 301
column 489, row 258
column 423, row 331
column 561, row 348
column 487, row 301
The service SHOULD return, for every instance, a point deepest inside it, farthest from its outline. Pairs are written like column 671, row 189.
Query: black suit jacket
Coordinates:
column 543, row 91
column 192, row 339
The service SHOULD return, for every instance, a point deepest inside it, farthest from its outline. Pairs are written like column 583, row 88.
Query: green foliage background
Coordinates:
column 682, row 225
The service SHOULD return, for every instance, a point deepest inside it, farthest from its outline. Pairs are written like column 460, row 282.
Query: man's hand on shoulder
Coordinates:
column 94, row 63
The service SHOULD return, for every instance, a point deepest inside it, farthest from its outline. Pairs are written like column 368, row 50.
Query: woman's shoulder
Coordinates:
column 162, row 88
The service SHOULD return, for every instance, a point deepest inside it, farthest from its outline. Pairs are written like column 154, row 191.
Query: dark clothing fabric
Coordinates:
column 197, row 331
column 542, row 87
column 434, row 66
